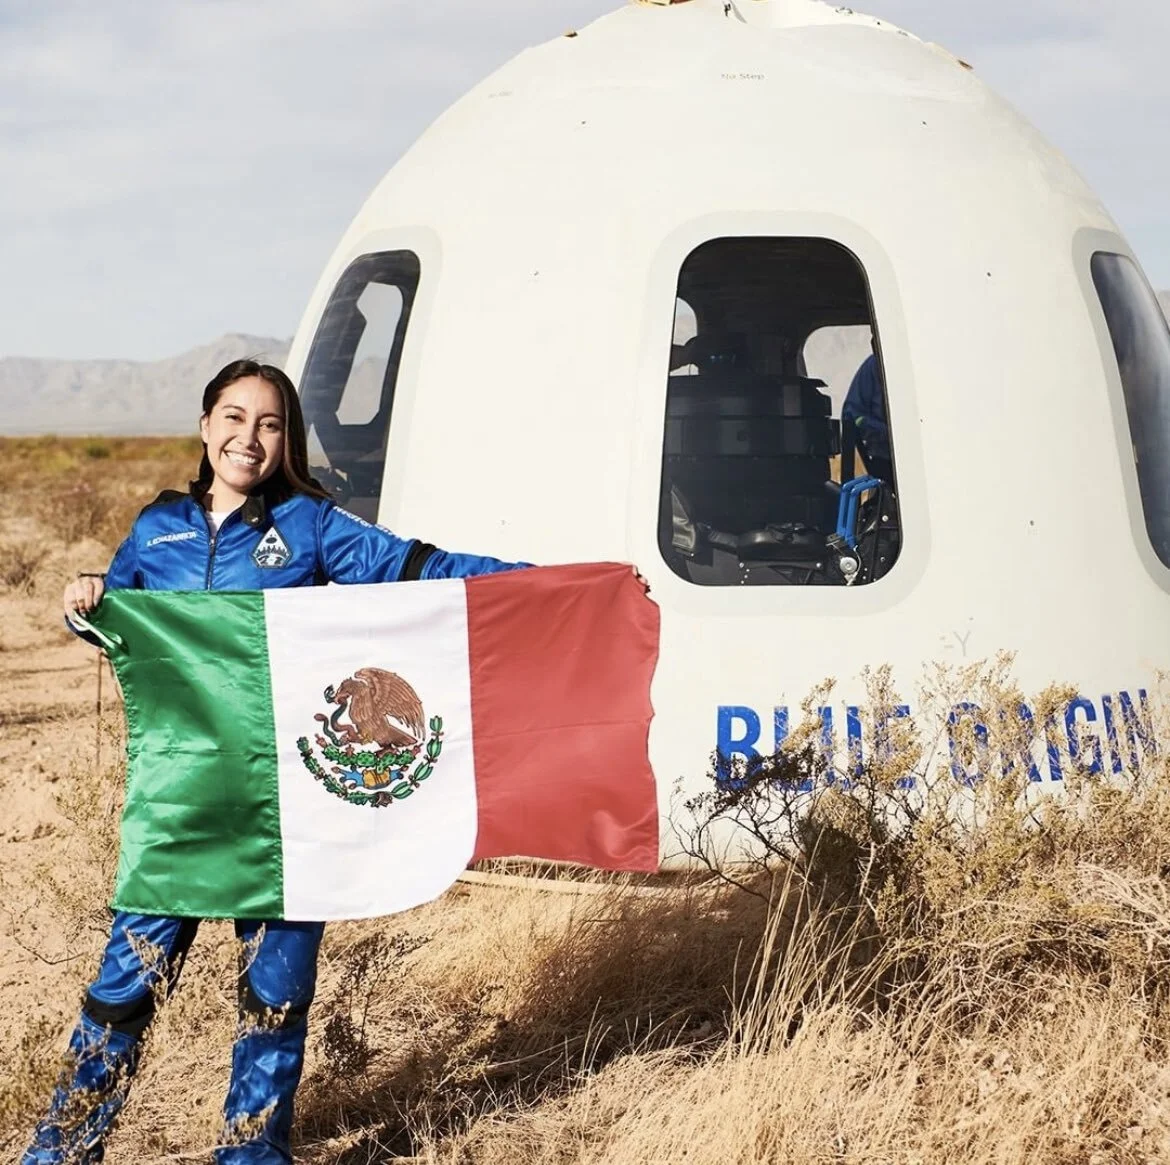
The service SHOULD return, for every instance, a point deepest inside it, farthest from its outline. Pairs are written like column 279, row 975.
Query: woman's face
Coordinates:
column 244, row 435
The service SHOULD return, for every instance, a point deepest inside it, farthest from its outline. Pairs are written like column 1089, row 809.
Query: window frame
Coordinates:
column 423, row 242
column 1087, row 243
column 405, row 269
column 888, row 316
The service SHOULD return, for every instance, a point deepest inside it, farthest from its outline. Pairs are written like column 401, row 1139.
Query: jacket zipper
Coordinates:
column 211, row 540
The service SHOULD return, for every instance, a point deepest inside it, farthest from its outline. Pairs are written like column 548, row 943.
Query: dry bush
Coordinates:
column 176, row 1103
column 79, row 510
column 20, row 563
column 983, row 876
column 56, row 906
column 949, row 972
column 91, row 804
column 28, row 1074
column 55, row 912
column 852, row 1087
column 496, row 992
column 82, row 488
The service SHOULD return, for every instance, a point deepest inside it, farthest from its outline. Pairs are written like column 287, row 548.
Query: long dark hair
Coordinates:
column 292, row 476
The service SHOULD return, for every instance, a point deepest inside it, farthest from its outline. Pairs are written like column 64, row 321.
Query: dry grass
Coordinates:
column 80, row 488
column 20, row 564
column 945, row 977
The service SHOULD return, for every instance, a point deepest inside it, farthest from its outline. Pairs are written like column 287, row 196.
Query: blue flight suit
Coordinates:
column 865, row 410
column 299, row 541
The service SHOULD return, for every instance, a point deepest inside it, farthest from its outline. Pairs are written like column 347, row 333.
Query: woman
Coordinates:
column 254, row 518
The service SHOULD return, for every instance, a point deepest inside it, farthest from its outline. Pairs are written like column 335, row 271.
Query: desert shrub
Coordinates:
column 77, row 510
column 425, row 1020
column 28, row 1073
column 369, row 965
column 72, row 897
column 945, row 970
column 979, row 887
column 77, row 488
column 20, row 563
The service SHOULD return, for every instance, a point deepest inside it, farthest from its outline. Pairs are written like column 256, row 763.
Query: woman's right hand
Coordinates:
column 83, row 594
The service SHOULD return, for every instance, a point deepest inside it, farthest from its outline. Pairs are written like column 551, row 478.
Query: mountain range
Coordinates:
column 127, row 397
column 119, row 397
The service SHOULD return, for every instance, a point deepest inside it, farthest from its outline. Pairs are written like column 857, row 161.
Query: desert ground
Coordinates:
column 870, row 994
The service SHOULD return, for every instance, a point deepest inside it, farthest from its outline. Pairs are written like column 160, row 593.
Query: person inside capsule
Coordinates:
column 864, row 411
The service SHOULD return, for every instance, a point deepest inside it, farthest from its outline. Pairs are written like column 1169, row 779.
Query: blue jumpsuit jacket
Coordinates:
column 295, row 543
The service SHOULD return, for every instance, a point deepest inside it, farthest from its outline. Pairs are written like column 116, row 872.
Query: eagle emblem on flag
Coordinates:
column 377, row 743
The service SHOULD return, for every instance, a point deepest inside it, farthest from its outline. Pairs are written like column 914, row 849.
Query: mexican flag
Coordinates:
column 346, row 751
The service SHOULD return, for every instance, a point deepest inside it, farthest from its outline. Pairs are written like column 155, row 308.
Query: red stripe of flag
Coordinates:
column 561, row 663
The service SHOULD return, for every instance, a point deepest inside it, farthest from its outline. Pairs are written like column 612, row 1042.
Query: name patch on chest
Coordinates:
column 180, row 536
column 271, row 550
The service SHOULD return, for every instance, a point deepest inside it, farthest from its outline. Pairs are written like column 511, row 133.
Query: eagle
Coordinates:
column 383, row 709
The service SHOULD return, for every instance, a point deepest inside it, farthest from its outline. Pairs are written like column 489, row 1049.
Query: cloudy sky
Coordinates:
column 176, row 169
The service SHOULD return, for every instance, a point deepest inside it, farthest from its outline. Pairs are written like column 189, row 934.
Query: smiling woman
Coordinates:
column 244, row 436
column 253, row 435
column 254, row 519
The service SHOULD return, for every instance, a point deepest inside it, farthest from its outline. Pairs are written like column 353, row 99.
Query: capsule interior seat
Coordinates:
column 752, row 451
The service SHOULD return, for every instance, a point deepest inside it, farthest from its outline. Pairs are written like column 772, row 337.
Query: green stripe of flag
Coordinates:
column 201, row 823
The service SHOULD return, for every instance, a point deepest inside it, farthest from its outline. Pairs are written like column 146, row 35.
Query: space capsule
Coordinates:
column 787, row 307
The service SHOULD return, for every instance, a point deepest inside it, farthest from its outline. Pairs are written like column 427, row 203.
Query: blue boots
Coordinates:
column 83, row 1108
column 141, row 963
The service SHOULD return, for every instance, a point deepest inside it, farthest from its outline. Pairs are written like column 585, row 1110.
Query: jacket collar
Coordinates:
column 254, row 511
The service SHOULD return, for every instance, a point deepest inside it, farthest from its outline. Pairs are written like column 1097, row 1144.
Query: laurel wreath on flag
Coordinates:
column 366, row 761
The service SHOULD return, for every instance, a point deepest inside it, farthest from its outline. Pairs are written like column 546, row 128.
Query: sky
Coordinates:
column 177, row 169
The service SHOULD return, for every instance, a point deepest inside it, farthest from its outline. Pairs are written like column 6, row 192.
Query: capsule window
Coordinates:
column 347, row 390
column 778, row 462
column 1141, row 344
